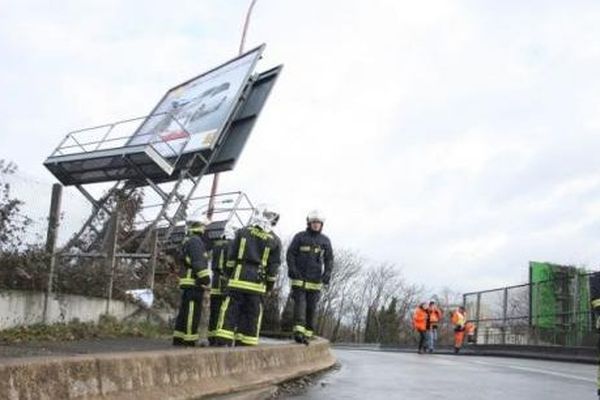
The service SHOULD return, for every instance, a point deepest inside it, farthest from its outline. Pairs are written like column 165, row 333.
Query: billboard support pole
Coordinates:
column 215, row 182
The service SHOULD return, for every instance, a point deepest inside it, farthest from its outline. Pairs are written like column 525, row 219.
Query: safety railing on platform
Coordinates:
column 161, row 131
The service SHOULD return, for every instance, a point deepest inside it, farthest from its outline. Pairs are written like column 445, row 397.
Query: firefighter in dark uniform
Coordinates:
column 595, row 298
column 309, row 260
column 194, row 278
column 254, row 257
column 219, row 279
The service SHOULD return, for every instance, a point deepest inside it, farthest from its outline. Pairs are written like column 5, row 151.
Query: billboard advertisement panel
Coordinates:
column 194, row 113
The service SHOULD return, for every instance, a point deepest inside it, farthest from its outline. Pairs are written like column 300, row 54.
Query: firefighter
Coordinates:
column 434, row 315
column 419, row 322
column 459, row 318
column 194, row 279
column 219, row 279
column 595, row 298
column 255, row 256
column 310, row 261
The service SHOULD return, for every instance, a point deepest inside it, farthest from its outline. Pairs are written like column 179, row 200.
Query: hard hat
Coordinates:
column 228, row 232
column 197, row 227
column 315, row 215
column 265, row 216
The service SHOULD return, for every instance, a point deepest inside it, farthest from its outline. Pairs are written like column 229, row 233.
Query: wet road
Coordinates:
column 374, row 375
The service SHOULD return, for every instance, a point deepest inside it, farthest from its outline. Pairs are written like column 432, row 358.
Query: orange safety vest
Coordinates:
column 420, row 319
column 470, row 328
column 459, row 318
column 434, row 315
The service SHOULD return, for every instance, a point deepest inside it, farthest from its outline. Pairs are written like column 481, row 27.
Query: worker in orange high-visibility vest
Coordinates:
column 419, row 323
column 434, row 315
column 459, row 319
column 470, row 331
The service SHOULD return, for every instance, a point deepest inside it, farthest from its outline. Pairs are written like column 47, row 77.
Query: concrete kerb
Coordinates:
column 175, row 374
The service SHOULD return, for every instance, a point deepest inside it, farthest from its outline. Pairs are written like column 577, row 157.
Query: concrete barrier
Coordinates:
column 176, row 374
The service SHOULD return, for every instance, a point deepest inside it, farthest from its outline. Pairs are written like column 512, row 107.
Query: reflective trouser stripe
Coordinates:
column 223, row 333
column 190, row 318
column 297, row 283
column 308, row 333
column 299, row 329
column 220, row 331
column 238, row 271
column 596, row 303
column 222, row 312
column 216, row 292
column 186, row 337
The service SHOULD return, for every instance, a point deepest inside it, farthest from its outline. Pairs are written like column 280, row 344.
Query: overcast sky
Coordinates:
column 457, row 139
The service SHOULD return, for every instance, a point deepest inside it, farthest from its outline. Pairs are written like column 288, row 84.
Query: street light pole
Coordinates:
column 215, row 182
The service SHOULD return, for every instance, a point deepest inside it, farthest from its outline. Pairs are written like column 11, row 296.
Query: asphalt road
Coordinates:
column 374, row 375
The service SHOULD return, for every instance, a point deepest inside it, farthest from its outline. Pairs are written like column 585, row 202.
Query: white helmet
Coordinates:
column 228, row 232
column 315, row 215
column 265, row 216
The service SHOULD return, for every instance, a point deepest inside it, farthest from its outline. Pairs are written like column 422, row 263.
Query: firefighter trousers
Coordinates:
column 188, row 318
column 305, row 311
column 215, row 306
column 239, row 319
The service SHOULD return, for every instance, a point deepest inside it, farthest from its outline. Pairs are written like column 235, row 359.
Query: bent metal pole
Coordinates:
column 215, row 182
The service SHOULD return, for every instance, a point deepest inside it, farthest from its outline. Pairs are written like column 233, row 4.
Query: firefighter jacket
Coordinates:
column 217, row 265
column 310, row 260
column 253, row 258
column 419, row 320
column 195, row 263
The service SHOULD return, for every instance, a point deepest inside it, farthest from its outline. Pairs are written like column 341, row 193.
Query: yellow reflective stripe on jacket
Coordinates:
column 265, row 256
column 297, row 283
column 308, row 333
column 596, row 303
column 230, row 264
column 304, row 248
column 271, row 278
column 242, row 248
column 216, row 292
column 202, row 273
column 251, row 286
column 188, row 260
column 187, row 282
column 312, row 286
column 221, row 263
column 299, row 329
column 238, row 271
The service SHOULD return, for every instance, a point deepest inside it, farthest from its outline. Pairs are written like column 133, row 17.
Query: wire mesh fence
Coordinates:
column 554, row 311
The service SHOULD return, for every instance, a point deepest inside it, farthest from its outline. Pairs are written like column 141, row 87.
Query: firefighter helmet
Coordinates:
column 265, row 216
column 315, row 216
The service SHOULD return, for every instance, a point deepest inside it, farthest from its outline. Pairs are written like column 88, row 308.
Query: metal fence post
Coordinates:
column 53, row 222
column 153, row 258
column 504, row 314
column 111, row 256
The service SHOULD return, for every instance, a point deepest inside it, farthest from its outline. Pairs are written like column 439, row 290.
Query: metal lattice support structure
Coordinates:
column 180, row 142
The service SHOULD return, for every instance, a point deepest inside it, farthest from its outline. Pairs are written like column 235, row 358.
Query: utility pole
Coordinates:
column 215, row 182
column 53, row 221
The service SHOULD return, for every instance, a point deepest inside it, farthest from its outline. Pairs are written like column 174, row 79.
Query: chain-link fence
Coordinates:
column 553, row 311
